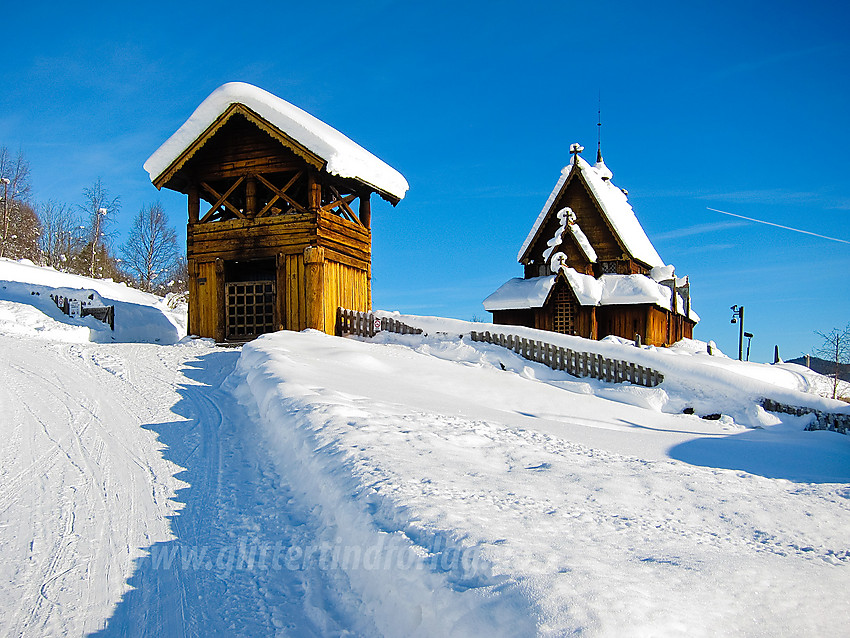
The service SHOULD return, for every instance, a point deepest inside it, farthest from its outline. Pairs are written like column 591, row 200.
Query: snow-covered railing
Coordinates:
column 576, row 363
column 823, row 420
column 105, row 314
column 367, row 324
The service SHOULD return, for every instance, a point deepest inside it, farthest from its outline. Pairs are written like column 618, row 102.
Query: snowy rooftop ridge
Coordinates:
column 343, row 156
column 615, row 206
column 608, row 290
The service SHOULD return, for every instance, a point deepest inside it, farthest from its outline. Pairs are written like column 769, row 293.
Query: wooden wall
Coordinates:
column 322, row 262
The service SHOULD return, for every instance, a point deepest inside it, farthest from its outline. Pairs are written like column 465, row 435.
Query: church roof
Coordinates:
column 608, row 290
column 341, row 155
column 614, row 206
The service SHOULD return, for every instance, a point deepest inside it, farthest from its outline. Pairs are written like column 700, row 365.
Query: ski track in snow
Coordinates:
column 87, row 494
column 161, row 490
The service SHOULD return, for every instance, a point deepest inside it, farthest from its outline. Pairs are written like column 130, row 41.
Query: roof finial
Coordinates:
column 599, row 129
column 575, row 149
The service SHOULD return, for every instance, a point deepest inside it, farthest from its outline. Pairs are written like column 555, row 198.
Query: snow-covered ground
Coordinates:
column 400, row 486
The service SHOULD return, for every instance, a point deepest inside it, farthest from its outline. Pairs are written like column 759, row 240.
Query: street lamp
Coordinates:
column 738, row 314
column 749, row 336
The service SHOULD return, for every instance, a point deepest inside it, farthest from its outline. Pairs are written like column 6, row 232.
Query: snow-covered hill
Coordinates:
column 307, row 485
column 26, row 307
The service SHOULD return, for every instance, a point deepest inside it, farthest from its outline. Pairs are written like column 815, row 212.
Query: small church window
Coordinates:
column 608, row 267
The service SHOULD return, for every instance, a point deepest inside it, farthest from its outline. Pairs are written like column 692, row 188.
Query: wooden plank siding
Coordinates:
column 272, row 202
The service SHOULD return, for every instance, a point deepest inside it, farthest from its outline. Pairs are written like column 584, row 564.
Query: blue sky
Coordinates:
column 741, row 107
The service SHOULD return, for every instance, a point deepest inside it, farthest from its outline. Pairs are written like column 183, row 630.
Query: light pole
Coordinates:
column 6, row 183
column 738, row 317
column 749, row 336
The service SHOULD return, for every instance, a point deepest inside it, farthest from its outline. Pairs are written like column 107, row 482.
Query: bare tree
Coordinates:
column 100, row 208
column 835, row 349
column 20, row 228
column 60, row 236
column 150, row 253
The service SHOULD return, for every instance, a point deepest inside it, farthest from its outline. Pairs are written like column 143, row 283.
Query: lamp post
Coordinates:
column 749, row 336
column 6, row 183
column 738, row 317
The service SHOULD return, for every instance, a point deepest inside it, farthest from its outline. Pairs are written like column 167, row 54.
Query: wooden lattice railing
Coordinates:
column 574, row 362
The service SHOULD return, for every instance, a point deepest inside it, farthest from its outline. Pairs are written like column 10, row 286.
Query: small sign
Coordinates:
column 377, row 325
column 202, row 281
column 75, row 308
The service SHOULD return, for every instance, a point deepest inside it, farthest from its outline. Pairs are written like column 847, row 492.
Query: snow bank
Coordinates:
column 692, row 377
column 26, row 290
column 411, row 582
column 343, row 156
column 566, row 503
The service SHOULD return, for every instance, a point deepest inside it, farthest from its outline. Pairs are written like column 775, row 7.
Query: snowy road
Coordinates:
column 84, row 486
column 342, row 497
column 87, row 492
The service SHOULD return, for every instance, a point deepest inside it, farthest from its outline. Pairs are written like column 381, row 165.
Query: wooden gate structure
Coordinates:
column 279, row 229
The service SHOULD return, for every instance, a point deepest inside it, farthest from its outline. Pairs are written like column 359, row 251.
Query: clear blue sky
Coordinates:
column 739, row 106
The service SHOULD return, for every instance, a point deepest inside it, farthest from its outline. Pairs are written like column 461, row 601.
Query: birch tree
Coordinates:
column 150, row 253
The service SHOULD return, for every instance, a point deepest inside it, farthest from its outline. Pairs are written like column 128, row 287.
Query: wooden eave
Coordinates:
column 164, row 178
column 608, row 224
column 296, row 147
column 604, row 217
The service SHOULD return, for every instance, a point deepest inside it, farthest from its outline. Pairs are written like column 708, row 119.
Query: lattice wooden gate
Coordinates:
column 565, row 319
column 250, row 308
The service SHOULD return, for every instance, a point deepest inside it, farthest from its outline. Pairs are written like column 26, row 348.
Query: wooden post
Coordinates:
column 314, row 191
column 220, row 302
column 250, row 197
column 193, row 297
column 314, row 266
column 281, row 282
column 194, row 204
column 366, row 209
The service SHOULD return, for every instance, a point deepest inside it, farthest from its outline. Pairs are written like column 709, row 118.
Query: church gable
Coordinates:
column 589, row 220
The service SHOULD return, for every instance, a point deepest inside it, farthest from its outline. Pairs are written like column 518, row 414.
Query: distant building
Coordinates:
column 590, row 269
column 279, row 231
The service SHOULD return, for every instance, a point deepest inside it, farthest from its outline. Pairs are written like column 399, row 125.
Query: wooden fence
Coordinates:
column 105, row 314
column 576, row 363
column 823, row 420
column 367, row 324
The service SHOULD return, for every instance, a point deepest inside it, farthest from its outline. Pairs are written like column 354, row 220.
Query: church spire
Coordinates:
column 599, row 130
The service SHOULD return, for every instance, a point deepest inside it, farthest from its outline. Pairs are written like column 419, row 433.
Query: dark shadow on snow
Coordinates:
column 802, row 457
column 228, row 572
column 159, row 580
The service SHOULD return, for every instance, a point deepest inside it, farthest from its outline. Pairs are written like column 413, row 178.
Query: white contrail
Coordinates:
column 796, row 230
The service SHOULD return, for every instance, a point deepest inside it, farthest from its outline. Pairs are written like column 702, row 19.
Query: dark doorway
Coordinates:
column 250, row 290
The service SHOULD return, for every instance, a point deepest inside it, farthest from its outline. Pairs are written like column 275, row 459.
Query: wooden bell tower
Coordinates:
column 278, row 234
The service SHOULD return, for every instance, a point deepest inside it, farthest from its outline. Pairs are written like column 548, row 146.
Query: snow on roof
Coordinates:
column 542, row 216
column 608, row 290
column 520, row 293
column 343, row 156
column 615, row 206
